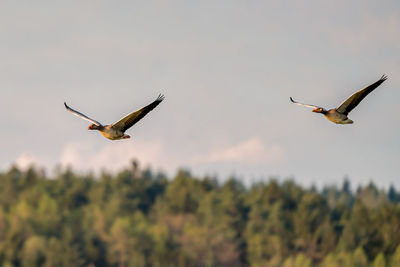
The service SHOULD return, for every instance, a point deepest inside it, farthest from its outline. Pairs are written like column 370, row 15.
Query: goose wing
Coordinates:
column 350, row 103
column 77, row 113
column 132, row 118
column 305, row 105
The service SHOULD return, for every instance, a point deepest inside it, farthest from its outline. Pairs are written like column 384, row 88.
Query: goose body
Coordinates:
column 110, row 132
column 117, row 130
column 339, row 115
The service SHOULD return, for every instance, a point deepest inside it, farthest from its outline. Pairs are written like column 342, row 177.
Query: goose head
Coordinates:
column 93, row 127
column 319, row 110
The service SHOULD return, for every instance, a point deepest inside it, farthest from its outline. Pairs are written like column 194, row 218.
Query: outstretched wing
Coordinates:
column 357, row 97
column 306, row 105
column 77, row 113
column 129, row 120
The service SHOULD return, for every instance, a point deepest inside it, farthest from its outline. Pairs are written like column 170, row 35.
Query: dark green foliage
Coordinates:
column 138, row 218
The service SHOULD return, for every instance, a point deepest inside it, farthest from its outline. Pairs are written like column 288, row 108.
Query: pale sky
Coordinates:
column 226, row 68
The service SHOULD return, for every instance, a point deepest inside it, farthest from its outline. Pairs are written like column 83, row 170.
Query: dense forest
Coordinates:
column 140, row 218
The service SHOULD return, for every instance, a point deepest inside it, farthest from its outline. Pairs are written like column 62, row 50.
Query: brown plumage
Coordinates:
column 117, row 130
column 339, row 115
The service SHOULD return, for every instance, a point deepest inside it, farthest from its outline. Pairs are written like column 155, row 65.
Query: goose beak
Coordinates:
column 315, row 110
column 90, row 127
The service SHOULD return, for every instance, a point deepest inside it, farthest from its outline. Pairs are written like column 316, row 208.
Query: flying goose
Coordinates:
column 117, row 130
column 339, row 115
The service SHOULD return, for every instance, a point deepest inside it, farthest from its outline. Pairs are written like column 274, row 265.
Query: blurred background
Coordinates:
column 226, row 171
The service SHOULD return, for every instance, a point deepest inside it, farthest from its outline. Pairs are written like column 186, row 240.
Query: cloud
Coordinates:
column 25, row 160
column 114, row 155
column 111, row 156
column 251, row 151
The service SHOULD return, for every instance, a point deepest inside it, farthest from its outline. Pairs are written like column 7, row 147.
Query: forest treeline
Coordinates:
column 140, row 218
